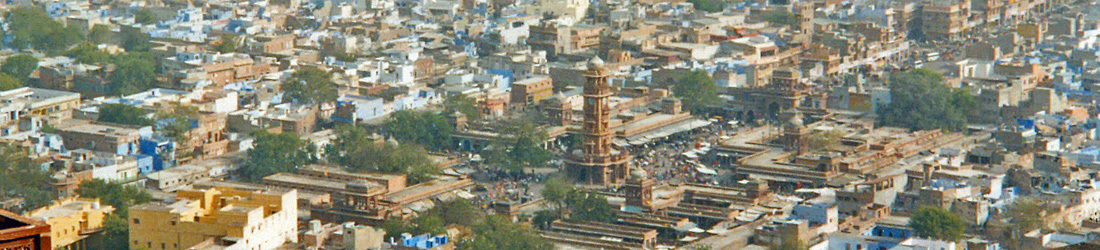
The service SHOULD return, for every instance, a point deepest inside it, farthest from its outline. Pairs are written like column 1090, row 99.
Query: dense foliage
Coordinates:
column 589, row 206
column 228, row 43
column 33, row 28
column 19, row 66
column 8, row 82
column 175, row 120
column 310, row 86
column 919, row 100
column 114, row 194
column 145, row 16
column 124, row 114
column 134, row 40
column 519, row 145
column 697, row 90
column 134, row 73
column 462, row 104
column 276, row 153
column 99, row 33
column 489, row 231
column 1026, row 215
column 357, row 149
column 116, row 232
column 565, row 201
column 781, row 17
column 499, row 233
column 430, row 129
column 708, row 5
column 936, row 223
column 23, row 178
column 88, row 53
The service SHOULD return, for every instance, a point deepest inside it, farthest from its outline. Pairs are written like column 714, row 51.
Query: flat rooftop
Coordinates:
column 89, row 127
column 432, row 187
column 67, row 208
column 307, row 181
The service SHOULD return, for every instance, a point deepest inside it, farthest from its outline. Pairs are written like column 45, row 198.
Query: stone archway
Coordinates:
column 773, row 111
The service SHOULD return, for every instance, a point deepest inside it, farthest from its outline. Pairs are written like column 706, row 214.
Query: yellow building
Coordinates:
column 72, row 220
column 231, row 218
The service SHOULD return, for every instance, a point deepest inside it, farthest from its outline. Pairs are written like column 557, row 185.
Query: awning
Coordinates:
column 706, row 170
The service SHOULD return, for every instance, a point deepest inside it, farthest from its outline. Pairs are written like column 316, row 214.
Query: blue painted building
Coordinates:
column 423, row 241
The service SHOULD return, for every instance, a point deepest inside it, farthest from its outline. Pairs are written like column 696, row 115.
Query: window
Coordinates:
column 137, row 221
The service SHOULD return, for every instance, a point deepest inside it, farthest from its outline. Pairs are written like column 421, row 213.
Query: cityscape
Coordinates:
column 549, row 125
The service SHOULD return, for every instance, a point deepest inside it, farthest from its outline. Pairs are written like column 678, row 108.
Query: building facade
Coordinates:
column 235, row 219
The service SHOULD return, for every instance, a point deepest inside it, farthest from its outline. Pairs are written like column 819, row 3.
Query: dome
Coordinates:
column 639, row 174
column 796, row 121
column 595, row 62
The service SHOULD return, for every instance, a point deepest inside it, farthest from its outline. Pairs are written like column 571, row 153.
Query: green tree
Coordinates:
column 780, row 17
column 432, row 225
column 488, row 231
column 543, row 218
column 457, row 211
column 20, row 66
column 708, row 5
column 228, row 43
column 918, row 100
column 88, row 53
column 8, row 82
column 357, row 149
column 145, row 16
column 519, row 145
column 116, row 229
column 936, row 223
column 1026, row 214
column 175, row 122
column 588, row 206
column 435, row 220
column 134, row 73
column 697, row 90
column 115, row 236
column 114, row 194
column 310, row 86
column 554, row 192
column 420, row 127
column 462, row 104
column 124, row 114
column 32, row 28
column 499, row 233
column 23, row 178
column 276, row 153
column 60, row 40
column 134, row 40
column 99, row 33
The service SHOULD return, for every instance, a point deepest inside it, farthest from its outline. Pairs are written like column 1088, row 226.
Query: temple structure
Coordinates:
column 597, row 161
